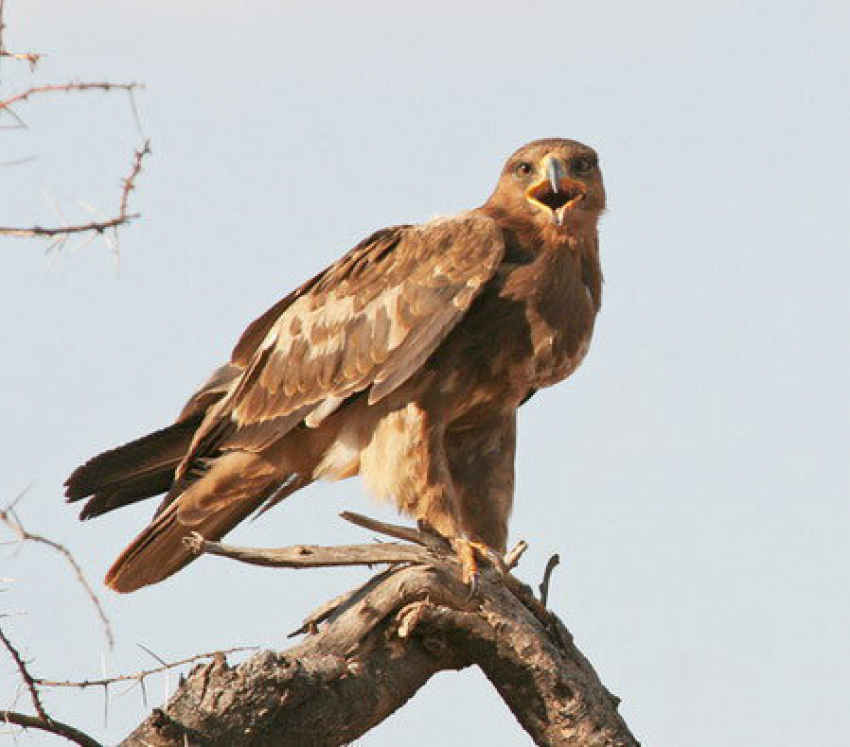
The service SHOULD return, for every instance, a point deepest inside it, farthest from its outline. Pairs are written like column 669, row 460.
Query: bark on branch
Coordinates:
column 377, row 646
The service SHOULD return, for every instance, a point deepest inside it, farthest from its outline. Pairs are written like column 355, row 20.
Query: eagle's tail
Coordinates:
column 160, row 551
column 138, row 470
column 236, row 485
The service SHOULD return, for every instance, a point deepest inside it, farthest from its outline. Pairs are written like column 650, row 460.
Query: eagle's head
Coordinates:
column 554, row 185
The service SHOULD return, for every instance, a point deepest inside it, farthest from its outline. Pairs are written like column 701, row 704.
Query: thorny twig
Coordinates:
column 63, row 232
column 10, row 519
column 138, row 676
column 46, row 722
column 60, row 234
column 130, row 179
column 67, row 88
column 31, row 57
column 28, row 679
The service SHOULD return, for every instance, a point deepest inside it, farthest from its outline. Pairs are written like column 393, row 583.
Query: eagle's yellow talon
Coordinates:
column 469, row 554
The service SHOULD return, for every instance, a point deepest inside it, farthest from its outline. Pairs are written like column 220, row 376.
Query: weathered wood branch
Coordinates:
column 377, row 646
column 314, row 556
column 49, row 725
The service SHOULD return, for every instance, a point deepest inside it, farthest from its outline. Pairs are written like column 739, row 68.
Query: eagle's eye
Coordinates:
column 582, row 165
column 523, row 169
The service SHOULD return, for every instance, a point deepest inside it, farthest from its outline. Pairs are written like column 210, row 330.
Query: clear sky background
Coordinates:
column 693, row 474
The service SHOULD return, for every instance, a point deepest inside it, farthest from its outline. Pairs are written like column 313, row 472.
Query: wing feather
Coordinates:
column 368, row 322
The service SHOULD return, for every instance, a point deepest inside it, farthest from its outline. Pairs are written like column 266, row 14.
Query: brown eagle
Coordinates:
column 405, row 362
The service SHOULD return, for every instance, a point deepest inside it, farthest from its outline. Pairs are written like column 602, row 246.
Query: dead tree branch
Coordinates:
column 25, row 676
column 31, row 57
column 64, row 232
column 137, row 676
column 314, row 556
column 377, row 646
column 10, row 519
column 42, row 720
column 49, row 725
column 45, row 722
column 547, row 577
column 65, row 88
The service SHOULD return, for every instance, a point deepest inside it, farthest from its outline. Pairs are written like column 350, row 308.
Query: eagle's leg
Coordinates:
column 410, row 457
column 481, row 462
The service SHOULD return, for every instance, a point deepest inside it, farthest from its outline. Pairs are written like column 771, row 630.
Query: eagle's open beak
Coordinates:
column 556, row 192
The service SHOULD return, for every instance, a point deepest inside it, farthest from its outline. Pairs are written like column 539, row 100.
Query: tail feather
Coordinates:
column 159, row 551
column 132, row 472
column 236, row 485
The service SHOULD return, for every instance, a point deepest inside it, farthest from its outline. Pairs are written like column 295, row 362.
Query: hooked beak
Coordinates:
column 556, row 191
column 554, row 172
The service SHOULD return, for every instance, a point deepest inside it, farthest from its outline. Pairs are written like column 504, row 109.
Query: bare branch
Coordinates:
column 63, row 232
column 314, row 556
column 25, row 676
column 551, row 564
column 138, row 676
column 49, row 725
column 31, row 57
column 513, row 557
column 130, row 179
column 10, row 519
column 417, row 536
column 67, row 88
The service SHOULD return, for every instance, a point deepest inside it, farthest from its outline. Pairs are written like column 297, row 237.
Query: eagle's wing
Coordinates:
column 368, row 322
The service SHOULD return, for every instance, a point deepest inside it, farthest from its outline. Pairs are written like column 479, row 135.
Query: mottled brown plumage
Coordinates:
column 404, row 362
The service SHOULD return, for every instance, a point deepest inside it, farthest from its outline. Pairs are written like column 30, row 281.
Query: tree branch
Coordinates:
column 314, row 556
column 31, row 57
column 61, row 233
column 8, row 517
column 547, row 577
column 378, row 645
column 25, row 676
column 95, row 226
column 42, row 720
column 50, row 725
column 64, row 88
column 137, row 676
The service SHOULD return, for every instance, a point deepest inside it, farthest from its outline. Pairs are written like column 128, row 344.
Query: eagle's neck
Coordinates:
column 527, row 239
column 555, row 260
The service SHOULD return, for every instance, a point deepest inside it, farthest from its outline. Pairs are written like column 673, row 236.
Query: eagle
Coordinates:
column 404, row 362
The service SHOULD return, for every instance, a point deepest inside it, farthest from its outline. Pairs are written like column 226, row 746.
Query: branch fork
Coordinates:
column 368, row 651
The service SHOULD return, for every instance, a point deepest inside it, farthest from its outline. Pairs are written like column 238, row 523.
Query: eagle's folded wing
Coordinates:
column 368, row 322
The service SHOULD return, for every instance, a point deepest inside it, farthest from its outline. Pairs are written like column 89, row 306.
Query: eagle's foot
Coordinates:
column 470, row 553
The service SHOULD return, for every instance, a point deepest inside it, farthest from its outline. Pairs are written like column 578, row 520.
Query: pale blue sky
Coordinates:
column 693, row 474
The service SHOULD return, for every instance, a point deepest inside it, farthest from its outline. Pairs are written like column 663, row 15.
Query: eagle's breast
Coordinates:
column 560, row 309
